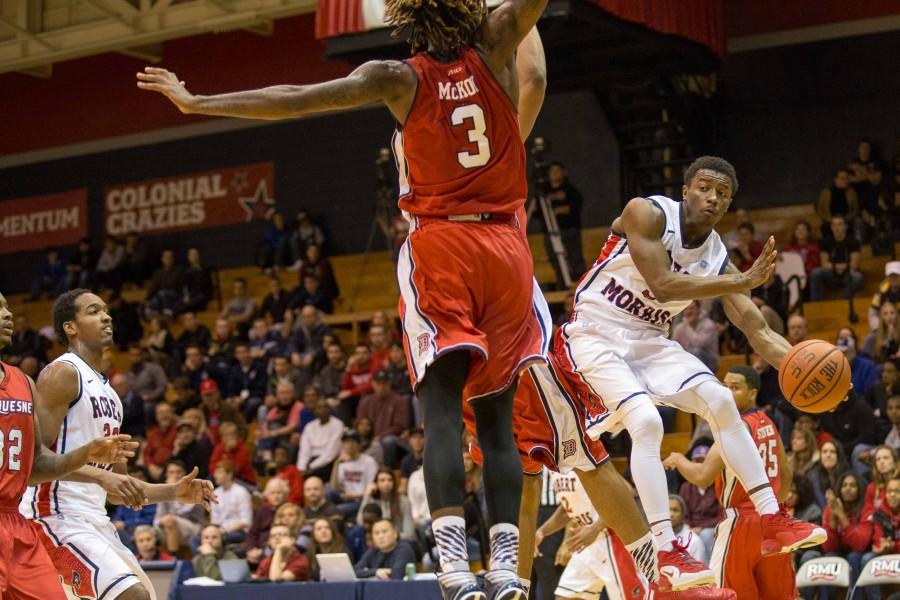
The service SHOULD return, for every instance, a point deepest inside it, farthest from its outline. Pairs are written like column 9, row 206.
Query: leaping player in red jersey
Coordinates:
column 26, row 572
column 737, row 556
column 466, row 269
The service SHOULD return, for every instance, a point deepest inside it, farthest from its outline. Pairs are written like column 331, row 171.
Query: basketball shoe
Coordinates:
column 782, row 533
column 678, row 570
column 700, row 593
column 460, row 585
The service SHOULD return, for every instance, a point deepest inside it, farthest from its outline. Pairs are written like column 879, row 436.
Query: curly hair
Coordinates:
column 712, row 163
column 439, row 24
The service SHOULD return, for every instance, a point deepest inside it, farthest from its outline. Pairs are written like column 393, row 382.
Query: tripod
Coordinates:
column 540, row 200
column 384, row 197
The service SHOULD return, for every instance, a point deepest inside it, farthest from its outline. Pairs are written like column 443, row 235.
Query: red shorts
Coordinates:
column 470, row 285
column 738, row 562
column 548, row 423
column 26, row 572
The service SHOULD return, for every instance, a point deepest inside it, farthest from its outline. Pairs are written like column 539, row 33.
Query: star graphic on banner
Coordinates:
column 259, row 205
column 239, row 182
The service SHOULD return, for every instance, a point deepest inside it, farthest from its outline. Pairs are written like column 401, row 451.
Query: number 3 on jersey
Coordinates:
column 477, row 128
column 10, row 448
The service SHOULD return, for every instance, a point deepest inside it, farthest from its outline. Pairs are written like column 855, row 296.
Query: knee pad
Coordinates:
column 644, row 424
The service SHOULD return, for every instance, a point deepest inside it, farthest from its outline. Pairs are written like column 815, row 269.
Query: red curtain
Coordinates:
column 338, row 17
column 702, row 21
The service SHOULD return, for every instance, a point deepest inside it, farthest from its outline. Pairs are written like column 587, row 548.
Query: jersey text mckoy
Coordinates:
column 457, row 90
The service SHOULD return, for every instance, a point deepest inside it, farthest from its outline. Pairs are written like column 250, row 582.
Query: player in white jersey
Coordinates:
column 599, row 560
column 76, row 404
column 660, row 256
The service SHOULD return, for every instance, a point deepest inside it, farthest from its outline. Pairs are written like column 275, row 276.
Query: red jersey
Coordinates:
column 460, row 151
column 16, row 437
column 768, row 441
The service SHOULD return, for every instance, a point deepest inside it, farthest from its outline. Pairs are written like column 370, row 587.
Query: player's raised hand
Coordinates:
column 191, row 490
column 111, row 450
column 156, row 79
column 125, row 490
column 764, row 265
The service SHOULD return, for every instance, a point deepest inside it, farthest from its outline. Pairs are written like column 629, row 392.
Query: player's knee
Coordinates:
column 720, row 405
column 644, row 424
column 135, row 592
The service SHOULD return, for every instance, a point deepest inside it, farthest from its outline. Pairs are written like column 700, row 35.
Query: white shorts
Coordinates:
column 90, row 558
column 596, row 568
column 624, row 368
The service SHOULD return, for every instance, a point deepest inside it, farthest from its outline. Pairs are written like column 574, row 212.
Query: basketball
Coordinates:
column 814, row 376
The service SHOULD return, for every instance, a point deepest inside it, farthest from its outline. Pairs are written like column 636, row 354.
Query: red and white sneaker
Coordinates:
column 700, row 593
column 678, row 570
column 782, row 533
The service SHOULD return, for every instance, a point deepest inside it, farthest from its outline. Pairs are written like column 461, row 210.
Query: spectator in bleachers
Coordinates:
column 134, row 419
column 801, row 502
column 310, row 292
column 892, row 413
column 886, row 523
column 418, row 504
column 286, row 470
column 852, row 424
column 125, row 315
column 698, row 334
column 379, row 346
column 80, row 270
column 388, row 558
column 804, row 453
column 216, row 411
column 305, row 233
column 888, row 291
column 193, row 332
column 110, row 269
column 803, row 244
column 368, row 445
column 887, row 386
column 566, row 203
column 316, row 505
column 146, row 543
column 398, row 369
column 50, row 277
column 884, row 342
column 212, row 550
column 702, row 509
column 747, row 249
column 413, row 460
column 849, row 534
column 134, row 267
column 275, row 303
column 837, row 200
column 221, row 346
column 797, row 329
column 281, row 423
column 158, row 342
column 359, row 538
column 314, row 263
column 263, row 345
column 864, row 372
column 866, row 176
column 380, row 317
column 274, row 495
column 183, row 396
column 246, row 381
column 127, row 519
column 240, row 309
column 189, row 448
column 326, row 539
column 165, row 287
column 731, row 237
column 234, row 510
column 274, row 250
column 285, row 563
column 840, row 263
column 197, row 417
column 307, row 338
column 811, row 422
column 198, row 286
column 826, row 473
column 196, row 370
column 160, row 441
column 885, row 466
column 695, row 546
column 146, row 378
column 353, row 472
column 290, row 515
column 331, row 377
column 394, row 506
column 283, row 370
column 320, row 443
column 389, row 413
column 177, row 521
column 356, row 382
column 25, row 342
column 231, row 448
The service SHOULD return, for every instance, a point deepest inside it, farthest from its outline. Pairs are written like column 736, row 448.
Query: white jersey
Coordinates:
column 95, row 412
column 573, row 498
column 614, row 290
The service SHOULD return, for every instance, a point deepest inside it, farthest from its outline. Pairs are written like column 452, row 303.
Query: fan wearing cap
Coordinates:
column 188, row 449
column 888, row 291
column 389, row 413
column 352, row 474
column 216, row 411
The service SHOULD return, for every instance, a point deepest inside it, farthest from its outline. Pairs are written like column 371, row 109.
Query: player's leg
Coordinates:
column 137, row 591
column 587, row 574
column 26, row 572
column 502, row 489
column 775, row 577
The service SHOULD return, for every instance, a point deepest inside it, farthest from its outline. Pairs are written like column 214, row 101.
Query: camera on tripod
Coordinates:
column 539, row 163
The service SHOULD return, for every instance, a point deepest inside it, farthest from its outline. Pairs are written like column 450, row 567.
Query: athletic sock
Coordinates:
column 504, row 547
column 663, row 534
column 644, row 554
column 764, row 501
column 450, row 537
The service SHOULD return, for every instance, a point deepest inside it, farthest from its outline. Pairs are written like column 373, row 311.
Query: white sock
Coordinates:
column 644, row 554
column 504, row 547
column 450, row 537
column 645, row 427
column 765, row 502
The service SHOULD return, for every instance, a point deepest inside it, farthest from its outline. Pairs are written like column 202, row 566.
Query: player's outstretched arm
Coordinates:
column 188, row 490
column 745, row 315
column 642, row 222
column 389, row 82
column 700, row 474
column 505, row 28
column 531, row 66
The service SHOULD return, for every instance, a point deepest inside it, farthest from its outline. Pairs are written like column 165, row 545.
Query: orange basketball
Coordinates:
column 814, row 376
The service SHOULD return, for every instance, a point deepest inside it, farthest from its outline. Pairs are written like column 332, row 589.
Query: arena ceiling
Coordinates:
column 34, row 34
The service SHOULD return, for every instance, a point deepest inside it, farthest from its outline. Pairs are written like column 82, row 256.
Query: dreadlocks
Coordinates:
column 439, row 24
